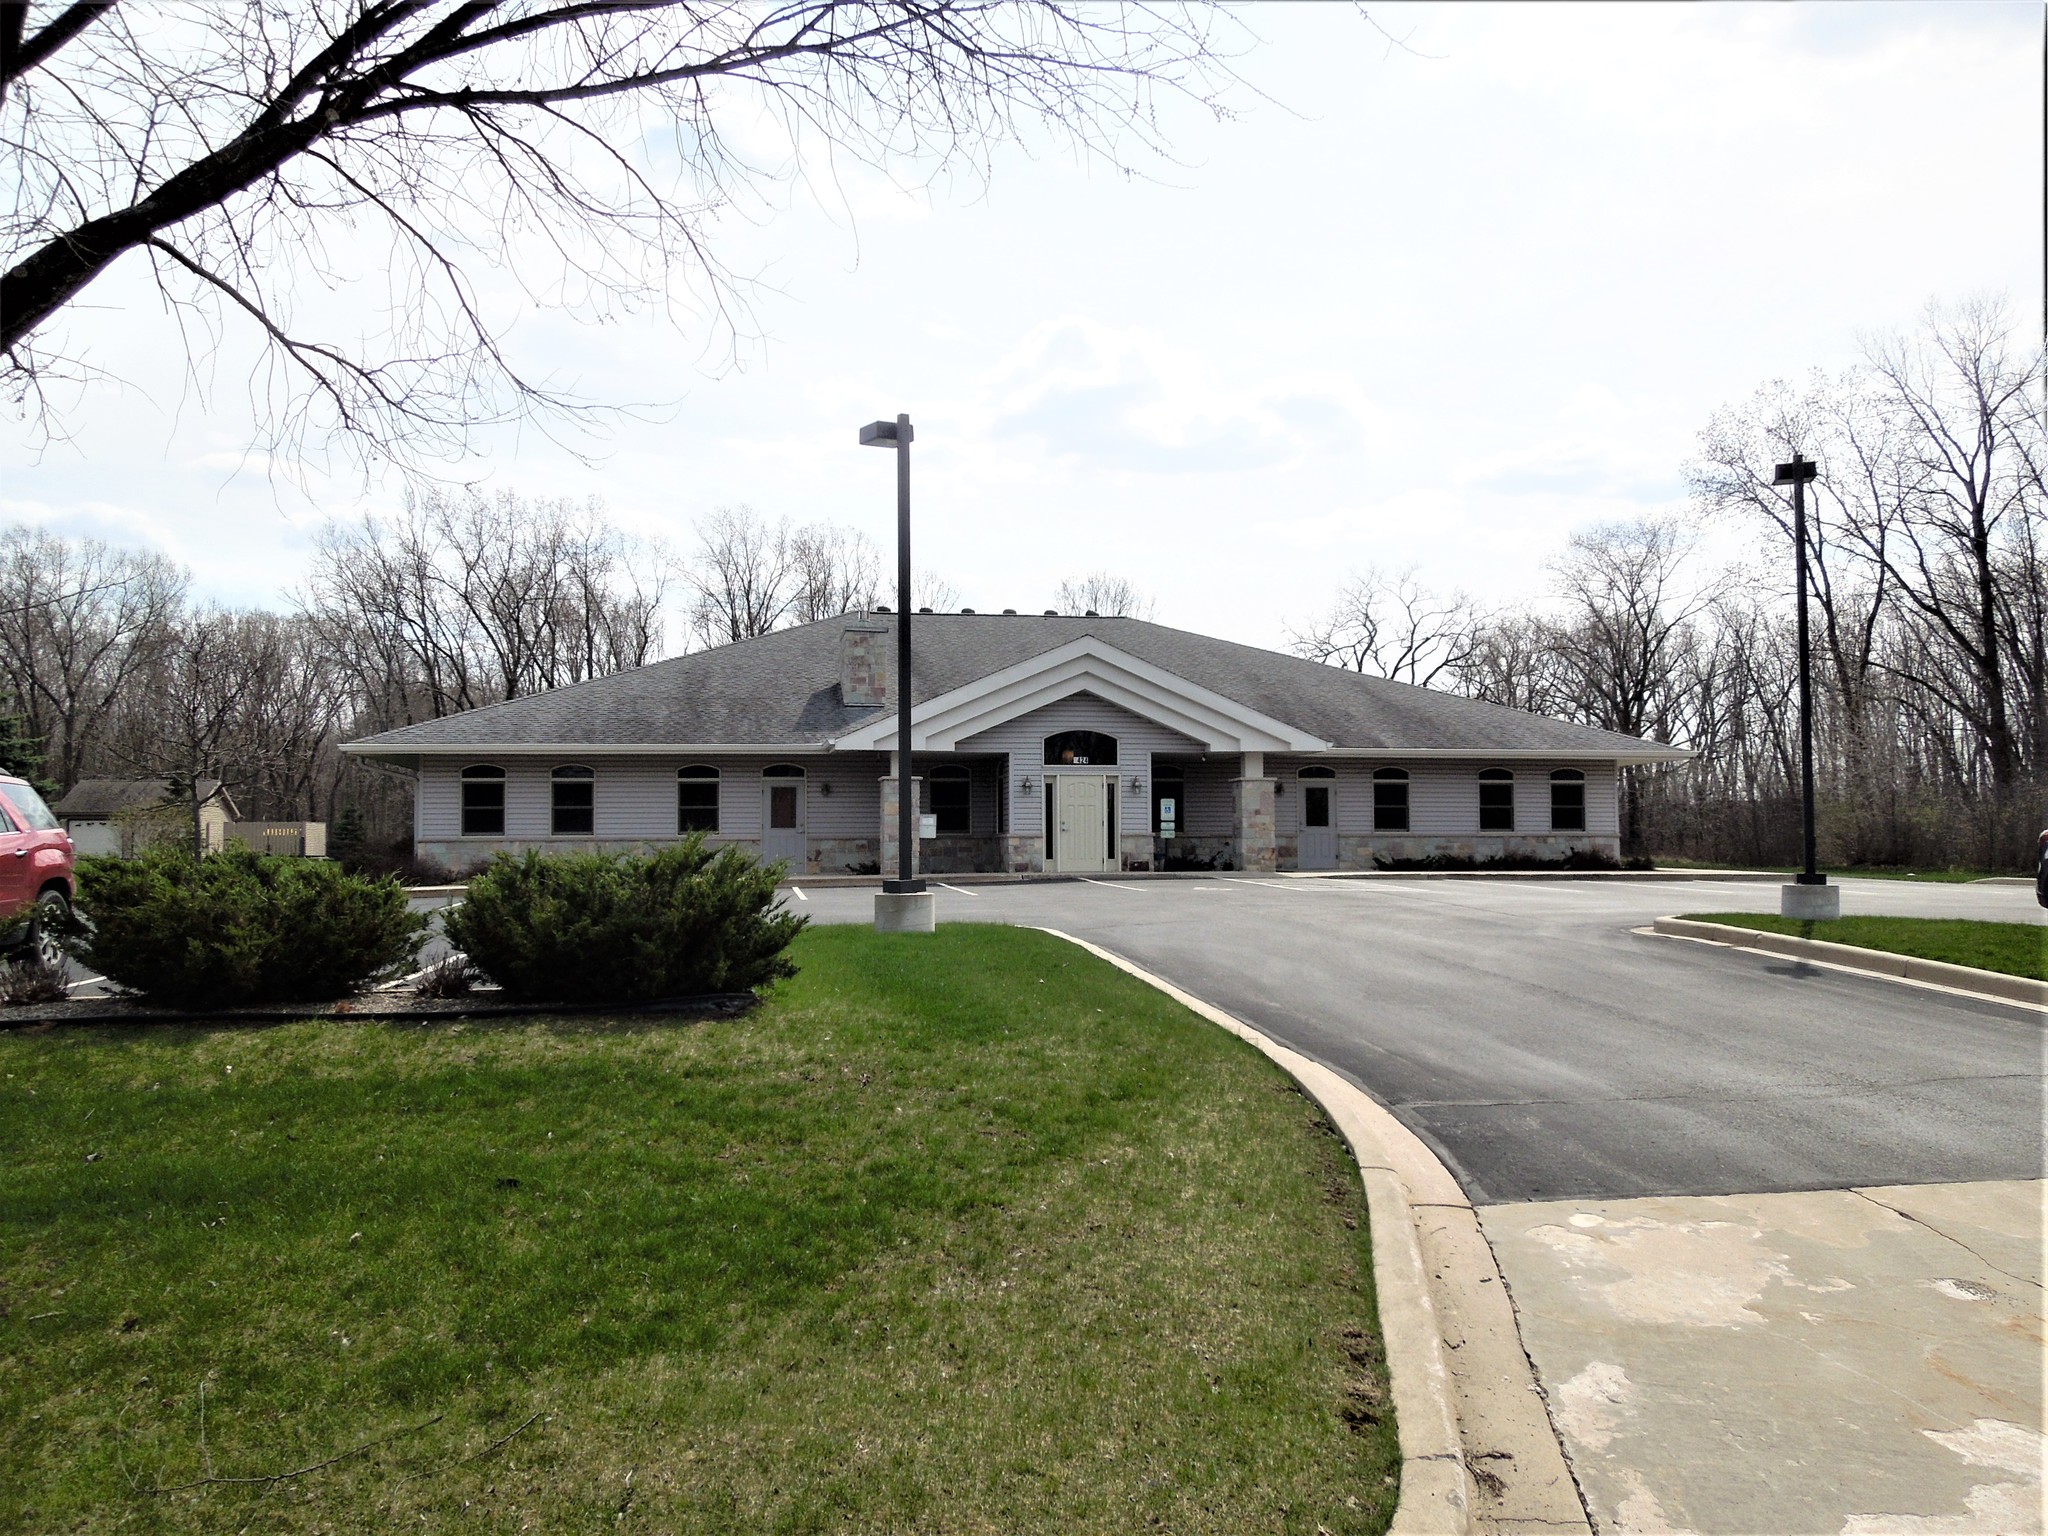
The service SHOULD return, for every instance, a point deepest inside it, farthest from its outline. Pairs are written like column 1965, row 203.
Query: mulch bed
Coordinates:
column 486, row 1003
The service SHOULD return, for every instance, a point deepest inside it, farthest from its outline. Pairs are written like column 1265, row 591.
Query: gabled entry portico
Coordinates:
column 1058, row 715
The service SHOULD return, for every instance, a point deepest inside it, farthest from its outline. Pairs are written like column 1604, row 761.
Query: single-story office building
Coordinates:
column 1040, row 743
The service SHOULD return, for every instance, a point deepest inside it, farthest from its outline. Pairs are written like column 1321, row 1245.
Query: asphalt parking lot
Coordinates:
column 1547, row 1052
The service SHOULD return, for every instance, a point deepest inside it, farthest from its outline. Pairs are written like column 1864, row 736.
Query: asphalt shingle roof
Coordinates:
column 783, row 689
column 104, row 797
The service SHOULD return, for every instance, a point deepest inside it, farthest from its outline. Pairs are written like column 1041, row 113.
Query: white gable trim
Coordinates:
column 1086, row 665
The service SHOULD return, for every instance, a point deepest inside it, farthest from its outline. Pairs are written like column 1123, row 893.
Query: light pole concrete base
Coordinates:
column 905, row 912
column 1810, row 903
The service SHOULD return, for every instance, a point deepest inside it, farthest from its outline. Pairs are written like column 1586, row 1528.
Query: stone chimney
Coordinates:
column 863, row 662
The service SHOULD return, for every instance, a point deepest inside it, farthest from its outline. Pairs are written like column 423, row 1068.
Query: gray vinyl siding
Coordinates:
column 1443, row 798
column 1023, row 738
column 636, row 796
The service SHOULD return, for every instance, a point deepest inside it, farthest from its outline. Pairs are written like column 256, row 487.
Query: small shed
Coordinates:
column 122, row 817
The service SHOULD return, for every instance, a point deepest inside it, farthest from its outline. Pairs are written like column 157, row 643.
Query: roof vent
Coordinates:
column 1091, row 614
column 924, row 610
column 1011, row 611
column 1052, row 613
column 967, row 610
column 881, row 607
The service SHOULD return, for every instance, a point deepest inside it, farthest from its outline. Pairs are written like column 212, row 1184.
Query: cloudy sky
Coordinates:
column 1431, row 305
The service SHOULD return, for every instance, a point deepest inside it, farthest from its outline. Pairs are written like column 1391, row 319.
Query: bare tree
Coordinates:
column 200, row 684
column 834, row 570
column 1965, row 399
column 1105, row 593
column 1394, row 627
column 467, row 599
column 253, row 152
column 79, row 624
column 929, row 589
column 743, row 579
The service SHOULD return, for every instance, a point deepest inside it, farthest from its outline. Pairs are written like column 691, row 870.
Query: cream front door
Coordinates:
column 1082, row 836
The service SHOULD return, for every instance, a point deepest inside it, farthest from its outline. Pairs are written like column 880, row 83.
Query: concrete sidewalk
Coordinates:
column 1857, row 1361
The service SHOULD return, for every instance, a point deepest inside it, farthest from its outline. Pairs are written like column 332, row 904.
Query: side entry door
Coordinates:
column 782, row 822
column 1318, row 823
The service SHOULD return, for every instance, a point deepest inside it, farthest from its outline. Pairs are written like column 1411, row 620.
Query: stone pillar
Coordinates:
column 1253, row 799
column 889, row 832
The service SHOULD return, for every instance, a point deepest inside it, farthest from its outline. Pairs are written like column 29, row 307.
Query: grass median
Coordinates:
column 2016, row 949
column 962, row 1233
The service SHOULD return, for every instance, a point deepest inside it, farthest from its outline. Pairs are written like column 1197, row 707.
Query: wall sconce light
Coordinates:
column 1024, row 785
column 825, row 788
column 1279, row 788
column 1137, row 785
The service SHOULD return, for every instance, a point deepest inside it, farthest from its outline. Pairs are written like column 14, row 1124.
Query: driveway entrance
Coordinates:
column 1773, row 1231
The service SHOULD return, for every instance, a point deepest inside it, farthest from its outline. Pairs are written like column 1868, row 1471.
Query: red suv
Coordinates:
column 35, row 870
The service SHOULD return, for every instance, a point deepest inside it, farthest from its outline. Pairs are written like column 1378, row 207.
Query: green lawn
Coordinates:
column 961, row 1233
column 2018, row 949
column 1922, row 873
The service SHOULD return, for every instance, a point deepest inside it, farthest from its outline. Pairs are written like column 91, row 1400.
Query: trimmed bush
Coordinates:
column 621, row 928
column 238, row 927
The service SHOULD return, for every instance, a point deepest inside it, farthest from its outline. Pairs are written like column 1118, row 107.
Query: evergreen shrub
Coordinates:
column 237, row 927
column 625, row 928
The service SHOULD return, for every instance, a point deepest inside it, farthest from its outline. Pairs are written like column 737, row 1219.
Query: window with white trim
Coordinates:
column 483, row 801
column 574, row 806
column 1567, row 800
column 696, row 799
column 1390, row 799
column 1496, row 800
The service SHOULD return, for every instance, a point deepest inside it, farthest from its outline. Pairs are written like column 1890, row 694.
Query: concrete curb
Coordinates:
column 1995, row 985
column 1478, row 1451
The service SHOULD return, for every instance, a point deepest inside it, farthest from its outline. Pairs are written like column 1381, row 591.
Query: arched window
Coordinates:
column 483, row 801
column 951, row 788
column 782, row 771
column 1496, row 800
column 696, row 799
column 575, row 802
column 1390, row 799
column 1079, row 749
column 1567, row 800
column 1317, row 772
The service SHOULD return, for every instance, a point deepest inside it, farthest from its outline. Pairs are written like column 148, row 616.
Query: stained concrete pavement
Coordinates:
column 1858, row 1361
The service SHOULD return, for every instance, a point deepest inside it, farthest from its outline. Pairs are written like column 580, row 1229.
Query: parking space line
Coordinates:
column 955, row 889
column 800, row 896
column 1108, row 886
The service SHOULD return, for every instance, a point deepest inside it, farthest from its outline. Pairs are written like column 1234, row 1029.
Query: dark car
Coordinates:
column 2041, row 872
column 35, row 871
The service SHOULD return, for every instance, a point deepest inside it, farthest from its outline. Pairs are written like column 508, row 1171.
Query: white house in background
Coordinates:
column 1056, row 743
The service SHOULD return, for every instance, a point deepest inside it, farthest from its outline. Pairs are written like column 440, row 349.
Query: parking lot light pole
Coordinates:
column 904, row 905
column 1810, row 895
